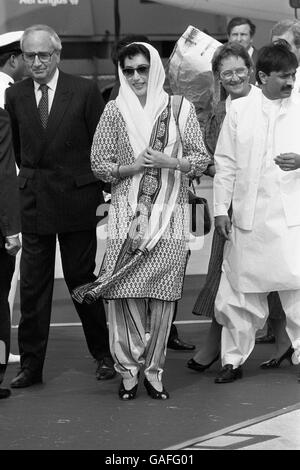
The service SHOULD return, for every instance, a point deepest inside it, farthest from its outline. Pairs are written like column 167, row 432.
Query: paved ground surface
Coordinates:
column 71, row 410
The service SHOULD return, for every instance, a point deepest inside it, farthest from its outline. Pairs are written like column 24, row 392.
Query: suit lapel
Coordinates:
column 62, row 98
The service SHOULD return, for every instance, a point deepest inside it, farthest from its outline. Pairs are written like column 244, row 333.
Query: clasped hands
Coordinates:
column 150, row 158
column 288, row 161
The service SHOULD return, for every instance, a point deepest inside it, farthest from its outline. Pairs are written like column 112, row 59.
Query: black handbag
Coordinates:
column 200, row 220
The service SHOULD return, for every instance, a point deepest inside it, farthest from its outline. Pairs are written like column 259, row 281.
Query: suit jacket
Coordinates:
column 58, row 190
column 9, row 195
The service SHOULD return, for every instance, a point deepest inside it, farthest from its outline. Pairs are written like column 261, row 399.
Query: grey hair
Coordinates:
column 54, row 38
column 284, row 26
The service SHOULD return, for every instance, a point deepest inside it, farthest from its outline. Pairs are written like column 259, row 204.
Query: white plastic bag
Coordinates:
column 189, row 68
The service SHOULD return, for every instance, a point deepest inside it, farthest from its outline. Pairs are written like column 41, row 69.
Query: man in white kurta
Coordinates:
column 258, row 168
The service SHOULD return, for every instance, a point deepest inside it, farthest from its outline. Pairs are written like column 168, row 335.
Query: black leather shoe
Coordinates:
column 4, row 392
column 192, row 364
column 26, row 378
column 177, row 344
column 105, row 369
column 275, row 362
column 266, row 339
column 228, row 374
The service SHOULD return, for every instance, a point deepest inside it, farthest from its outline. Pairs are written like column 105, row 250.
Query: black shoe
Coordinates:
column 228, row 374
column 4, row 393
column 192, row 364
column 105, row 369
column 177, row 344
column 127, row 394
column 266, row 339
column 275, row 363
column 26, row 378
column 155, row 394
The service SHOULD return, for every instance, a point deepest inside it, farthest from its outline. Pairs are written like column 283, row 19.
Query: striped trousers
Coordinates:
column 139, row 331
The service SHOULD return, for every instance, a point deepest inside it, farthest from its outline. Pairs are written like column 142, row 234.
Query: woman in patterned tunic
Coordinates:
column 148, row 157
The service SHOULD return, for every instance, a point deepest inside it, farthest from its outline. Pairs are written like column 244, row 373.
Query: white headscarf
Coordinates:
column 140, row 120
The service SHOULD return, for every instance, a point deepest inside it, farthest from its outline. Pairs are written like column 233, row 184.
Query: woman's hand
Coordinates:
column 140, row 162
column 155, row 159
column 288, row 161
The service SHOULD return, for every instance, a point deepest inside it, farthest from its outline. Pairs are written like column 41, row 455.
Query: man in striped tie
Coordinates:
column 54, row 116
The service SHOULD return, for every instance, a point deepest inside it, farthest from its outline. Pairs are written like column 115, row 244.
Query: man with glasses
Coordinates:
column 257, row 163
column 54, row 116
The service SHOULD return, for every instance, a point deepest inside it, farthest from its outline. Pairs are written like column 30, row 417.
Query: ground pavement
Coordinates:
column 72, row 410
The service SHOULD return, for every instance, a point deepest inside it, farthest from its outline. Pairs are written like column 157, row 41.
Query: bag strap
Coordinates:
column 177, row 101
column 193, row 187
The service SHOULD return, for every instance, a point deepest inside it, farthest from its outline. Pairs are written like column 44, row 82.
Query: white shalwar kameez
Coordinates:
column 264, row 258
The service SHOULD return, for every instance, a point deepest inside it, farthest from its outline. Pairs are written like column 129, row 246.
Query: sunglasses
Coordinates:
column 142, row 70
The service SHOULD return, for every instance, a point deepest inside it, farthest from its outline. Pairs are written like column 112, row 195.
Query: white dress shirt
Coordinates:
column 51, row 90
column 5, row 82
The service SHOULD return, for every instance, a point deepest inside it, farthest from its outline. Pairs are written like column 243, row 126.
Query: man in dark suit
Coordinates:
column 54, row 116
column 242, row 30
column 10, row 227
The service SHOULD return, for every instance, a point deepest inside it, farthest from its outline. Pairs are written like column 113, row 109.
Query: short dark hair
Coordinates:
column 131, row 51
column 6, row 55
column 228, row 50
column 275, row 57
column 238, row 21
column 130, row 38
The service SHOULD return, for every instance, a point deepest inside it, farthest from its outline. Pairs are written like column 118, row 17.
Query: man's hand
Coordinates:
column 12, row 245
column 223, row 226
column 288, row 161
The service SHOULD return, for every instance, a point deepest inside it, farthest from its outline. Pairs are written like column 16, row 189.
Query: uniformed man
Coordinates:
column 11, row 70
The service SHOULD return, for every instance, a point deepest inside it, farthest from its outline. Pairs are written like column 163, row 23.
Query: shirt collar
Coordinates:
column 51, row 84
column 250, row 51
column 4, row 77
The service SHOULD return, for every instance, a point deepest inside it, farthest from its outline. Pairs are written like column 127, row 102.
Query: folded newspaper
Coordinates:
column 189, row 68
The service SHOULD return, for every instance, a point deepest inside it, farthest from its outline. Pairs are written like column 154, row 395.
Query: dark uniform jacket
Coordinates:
column 9, row 196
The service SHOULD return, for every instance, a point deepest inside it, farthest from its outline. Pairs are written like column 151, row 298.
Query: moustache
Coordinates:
column 287, row 88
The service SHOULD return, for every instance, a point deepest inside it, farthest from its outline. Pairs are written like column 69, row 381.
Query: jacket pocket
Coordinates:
column 24, row 175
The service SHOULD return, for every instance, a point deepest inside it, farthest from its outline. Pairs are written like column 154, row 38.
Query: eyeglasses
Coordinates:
column 43, row 57
column 142, row 70
column 227, row 75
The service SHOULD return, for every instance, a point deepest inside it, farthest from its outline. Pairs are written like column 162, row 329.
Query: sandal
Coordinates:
column 155, row 394
column 127, row 394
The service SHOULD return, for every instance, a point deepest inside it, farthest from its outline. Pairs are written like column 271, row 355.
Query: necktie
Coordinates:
column 43, row 105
